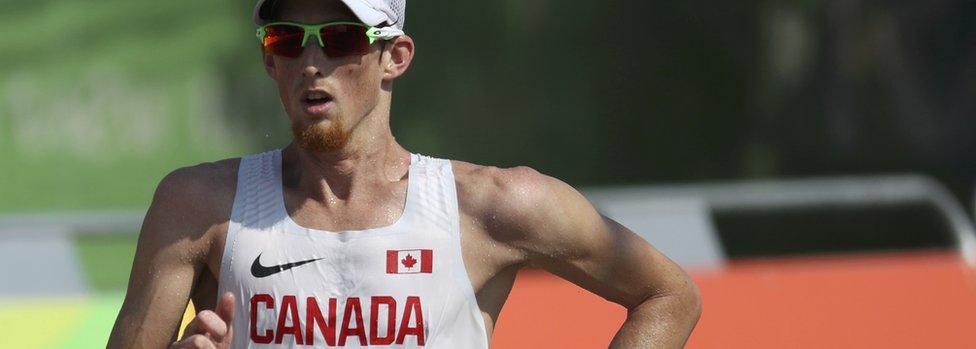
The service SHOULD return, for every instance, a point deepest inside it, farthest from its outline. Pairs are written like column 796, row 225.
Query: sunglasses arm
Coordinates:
column 385, row 33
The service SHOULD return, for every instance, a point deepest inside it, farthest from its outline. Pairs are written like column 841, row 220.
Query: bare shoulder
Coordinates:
column 192, row 202
column 487, row 186
column 514, row 204
column 202, row 188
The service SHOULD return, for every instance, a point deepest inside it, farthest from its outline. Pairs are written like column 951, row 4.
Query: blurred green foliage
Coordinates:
column 99, row 100
column 106, row 260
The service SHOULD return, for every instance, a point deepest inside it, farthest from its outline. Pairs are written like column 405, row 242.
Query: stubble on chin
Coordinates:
column 321, row 138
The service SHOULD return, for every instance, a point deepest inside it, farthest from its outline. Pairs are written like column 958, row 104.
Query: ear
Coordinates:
column 396, row 60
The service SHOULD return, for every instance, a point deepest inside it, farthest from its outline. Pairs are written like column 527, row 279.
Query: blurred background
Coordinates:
column 782, row 144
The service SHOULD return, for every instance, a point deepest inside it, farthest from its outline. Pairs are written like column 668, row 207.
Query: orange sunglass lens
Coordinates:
column 283, row 40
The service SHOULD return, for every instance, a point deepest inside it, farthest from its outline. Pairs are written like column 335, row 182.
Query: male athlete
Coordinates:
column 344, row 238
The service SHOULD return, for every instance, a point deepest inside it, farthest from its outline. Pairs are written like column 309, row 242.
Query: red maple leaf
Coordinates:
column 409, row 261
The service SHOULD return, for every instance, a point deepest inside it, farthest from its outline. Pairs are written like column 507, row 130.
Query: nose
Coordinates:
column 313, row 59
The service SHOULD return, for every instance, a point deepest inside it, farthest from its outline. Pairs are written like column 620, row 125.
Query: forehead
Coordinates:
column 313, row 11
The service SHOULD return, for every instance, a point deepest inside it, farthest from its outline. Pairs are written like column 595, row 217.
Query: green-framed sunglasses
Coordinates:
column 337, row 39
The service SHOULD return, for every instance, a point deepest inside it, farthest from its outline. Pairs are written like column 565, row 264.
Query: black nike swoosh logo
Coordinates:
column 260, row 271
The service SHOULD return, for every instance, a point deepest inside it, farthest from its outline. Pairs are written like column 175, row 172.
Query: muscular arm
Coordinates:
column 556, row 228
column 173, row 249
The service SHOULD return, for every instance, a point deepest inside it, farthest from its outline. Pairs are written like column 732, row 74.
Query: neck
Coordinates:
column 366, row 163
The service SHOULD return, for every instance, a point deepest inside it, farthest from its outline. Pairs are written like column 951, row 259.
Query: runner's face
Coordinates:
column 347, row 88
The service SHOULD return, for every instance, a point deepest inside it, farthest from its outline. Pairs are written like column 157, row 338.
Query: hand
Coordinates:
column 210, row 330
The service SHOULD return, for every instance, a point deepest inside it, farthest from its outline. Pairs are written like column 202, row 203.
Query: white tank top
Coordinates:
column 399, row 286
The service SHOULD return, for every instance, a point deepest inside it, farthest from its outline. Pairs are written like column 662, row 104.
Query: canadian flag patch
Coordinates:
column 409, row 261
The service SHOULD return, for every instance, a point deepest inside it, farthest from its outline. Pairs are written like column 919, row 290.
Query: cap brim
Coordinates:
column 366, row 13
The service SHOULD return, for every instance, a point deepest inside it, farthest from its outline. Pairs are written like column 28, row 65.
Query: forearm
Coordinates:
column 660, row 322
column 143, row 324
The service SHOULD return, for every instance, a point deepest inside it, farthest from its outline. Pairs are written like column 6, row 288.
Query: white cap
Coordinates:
column 370, row 12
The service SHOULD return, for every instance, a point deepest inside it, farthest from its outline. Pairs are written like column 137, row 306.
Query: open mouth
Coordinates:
column 317, row 97
column 316, row 102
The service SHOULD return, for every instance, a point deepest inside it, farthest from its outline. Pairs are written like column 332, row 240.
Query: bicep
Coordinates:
column 569, row 238
column 169, row 257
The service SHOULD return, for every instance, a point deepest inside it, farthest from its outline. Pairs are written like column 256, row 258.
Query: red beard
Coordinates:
column 321, row 138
